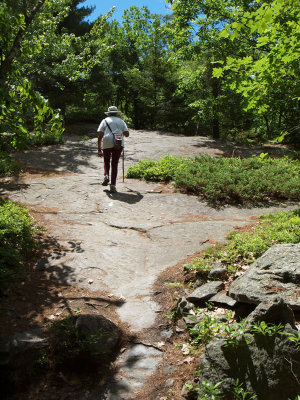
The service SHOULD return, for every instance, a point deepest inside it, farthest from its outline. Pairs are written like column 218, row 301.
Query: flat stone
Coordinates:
column 223, row 299
column 205, row 291
column 275, row 274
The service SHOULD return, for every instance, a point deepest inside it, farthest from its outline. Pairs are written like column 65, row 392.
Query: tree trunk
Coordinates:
column 215, row 85
column 267, row 123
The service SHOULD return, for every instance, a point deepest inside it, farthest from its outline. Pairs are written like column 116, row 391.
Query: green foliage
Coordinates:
column 161, row 170
column 209, row 391
column 17, row 238
column 236, row 333
column 295, row 338
column 264, row 329
column 8, row 166
column 267, row 78
column 209, row 328
column 206, row 390
column 227, row 180
column 24, row 110
column 281, row 227
column 205, row 330
column 240, row 393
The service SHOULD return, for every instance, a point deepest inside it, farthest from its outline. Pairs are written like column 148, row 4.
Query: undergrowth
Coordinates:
column 226, row 180
column 8, row 166
column 244, row 248
column 70, row 351
column 17, row 238
column 204, row 324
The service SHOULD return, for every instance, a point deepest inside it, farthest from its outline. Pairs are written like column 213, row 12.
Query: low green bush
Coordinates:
column 226, row 180
column 17, row 238
column 45, row 139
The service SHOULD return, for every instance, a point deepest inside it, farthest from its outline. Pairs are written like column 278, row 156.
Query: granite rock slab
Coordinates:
column 275, row 274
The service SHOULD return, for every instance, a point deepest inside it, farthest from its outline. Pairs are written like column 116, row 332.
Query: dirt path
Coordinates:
column 118, row 244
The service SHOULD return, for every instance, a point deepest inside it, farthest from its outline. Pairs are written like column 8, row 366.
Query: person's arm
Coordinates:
column 126, row 133
column 100, row 137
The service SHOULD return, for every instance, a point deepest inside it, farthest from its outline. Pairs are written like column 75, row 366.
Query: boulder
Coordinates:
column 205, row 291
column 275, row 274
column 267, row 367
column 106, row 332
column 273, row 312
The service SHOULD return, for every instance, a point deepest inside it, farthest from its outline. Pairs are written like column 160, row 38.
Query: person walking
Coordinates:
column 111, row 132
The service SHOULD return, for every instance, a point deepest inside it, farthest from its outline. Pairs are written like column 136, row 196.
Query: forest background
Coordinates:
column 222, row 68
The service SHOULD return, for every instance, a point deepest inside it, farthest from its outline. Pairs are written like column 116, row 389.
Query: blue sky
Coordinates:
column 102, row 6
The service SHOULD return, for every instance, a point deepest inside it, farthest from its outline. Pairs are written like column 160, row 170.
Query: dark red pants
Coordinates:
column 112, row 156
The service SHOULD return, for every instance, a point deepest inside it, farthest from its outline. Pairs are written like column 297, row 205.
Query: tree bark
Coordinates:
column 15, row 48
column 215, row 85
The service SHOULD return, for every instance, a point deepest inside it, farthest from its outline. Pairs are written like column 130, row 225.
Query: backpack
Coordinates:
column 117, row 137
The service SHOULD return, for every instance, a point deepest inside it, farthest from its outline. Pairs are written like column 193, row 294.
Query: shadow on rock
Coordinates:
column 125, row 197
column 59, row 157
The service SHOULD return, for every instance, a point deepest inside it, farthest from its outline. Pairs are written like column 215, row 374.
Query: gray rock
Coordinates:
column 192, row 319
column 169, row 382
column 218, row 272
column 89, row 324
column 268, row 367
column 184, row 306
column 205, row 291
column 275, row 274
column 274, row 312
column 223, row 299
column 167, row 334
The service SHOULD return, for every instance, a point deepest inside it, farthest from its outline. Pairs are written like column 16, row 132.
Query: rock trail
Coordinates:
column 121, row 242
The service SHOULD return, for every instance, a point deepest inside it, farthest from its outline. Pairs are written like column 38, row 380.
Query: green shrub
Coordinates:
column 17, row 237
column 162, row 170
column 45, row 139
column 226, row 180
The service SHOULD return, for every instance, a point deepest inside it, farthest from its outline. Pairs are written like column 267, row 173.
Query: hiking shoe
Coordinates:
column 113, row 189
column 106, row 181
